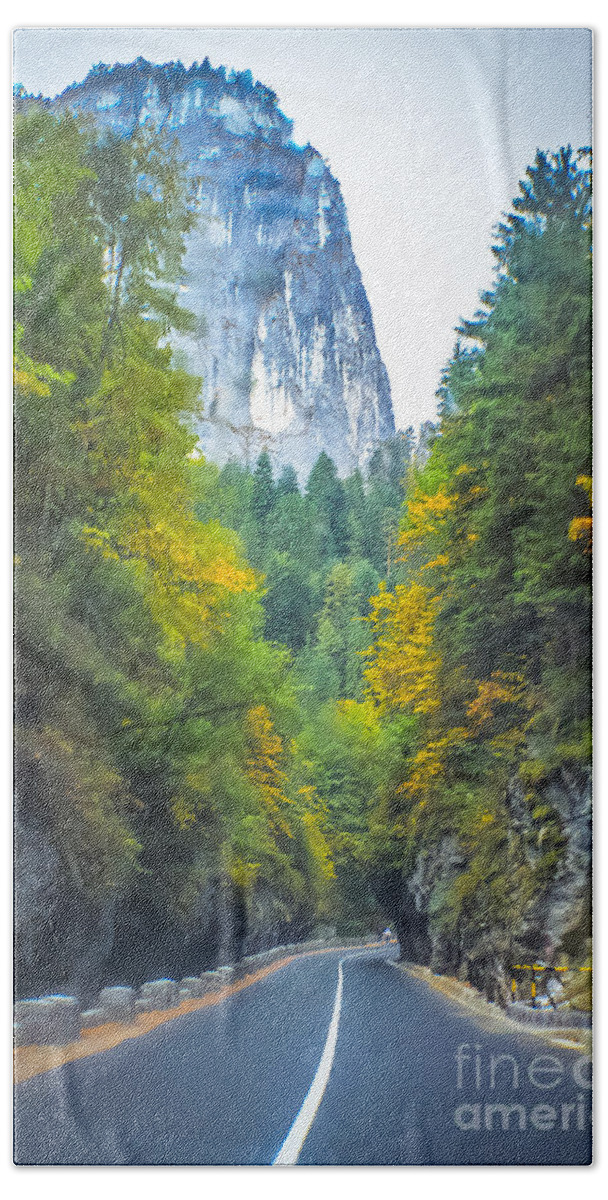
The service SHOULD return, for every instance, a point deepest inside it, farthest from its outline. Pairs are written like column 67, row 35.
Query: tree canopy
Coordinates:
column 245, row 702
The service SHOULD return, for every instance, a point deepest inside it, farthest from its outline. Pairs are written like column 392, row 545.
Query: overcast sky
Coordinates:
column 427, row 130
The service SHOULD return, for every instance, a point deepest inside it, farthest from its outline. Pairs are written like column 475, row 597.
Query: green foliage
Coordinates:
column 289, row 602
column 139, row 637
column 262, row 496
column 495, row 551
column 352, row 759
column 204, row 731
column 326, row 494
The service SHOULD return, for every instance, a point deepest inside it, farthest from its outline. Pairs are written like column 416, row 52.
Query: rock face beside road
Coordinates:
column 284, row 341
column 558, row 915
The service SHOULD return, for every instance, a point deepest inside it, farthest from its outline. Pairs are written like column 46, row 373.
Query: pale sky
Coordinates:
column 427, row 130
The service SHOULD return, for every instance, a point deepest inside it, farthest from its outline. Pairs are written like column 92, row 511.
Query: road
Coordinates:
column 336, row 1058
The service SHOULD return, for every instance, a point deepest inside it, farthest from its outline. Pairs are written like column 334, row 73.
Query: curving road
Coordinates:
column 336, row 1058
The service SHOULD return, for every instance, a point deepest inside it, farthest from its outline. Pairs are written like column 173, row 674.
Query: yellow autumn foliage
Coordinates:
column 501, row 688
column 428, row 766
column 264, row 770
column 580, row 528
column 243, row 873
column 318, row 846
column 403, row 663
column 425, row 518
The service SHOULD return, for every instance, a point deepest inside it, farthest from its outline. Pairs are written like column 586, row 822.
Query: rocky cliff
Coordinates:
column 284, row 340
column 557, row 916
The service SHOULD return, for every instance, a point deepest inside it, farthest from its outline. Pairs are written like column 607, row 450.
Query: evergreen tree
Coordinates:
column 326, row 494
column 359, row 541
column 287, row 484
column 263, row 493
column 289, row 602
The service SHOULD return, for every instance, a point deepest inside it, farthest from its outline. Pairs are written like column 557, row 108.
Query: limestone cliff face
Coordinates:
column 285, row 341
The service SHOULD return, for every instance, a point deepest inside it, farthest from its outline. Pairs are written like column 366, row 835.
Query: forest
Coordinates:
column 251, row 706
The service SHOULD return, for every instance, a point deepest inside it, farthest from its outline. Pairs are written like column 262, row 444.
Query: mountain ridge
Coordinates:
column 284, row 341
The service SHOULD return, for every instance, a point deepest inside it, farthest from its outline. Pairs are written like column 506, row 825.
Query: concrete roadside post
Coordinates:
column 118, row 1004
column 157, row 995
column 48, row 1021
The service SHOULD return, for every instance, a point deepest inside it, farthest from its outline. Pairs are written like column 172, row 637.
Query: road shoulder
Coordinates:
column 489, row 1017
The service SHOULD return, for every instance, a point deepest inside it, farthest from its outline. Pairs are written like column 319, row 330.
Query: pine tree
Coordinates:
column 287, row 484
column 263, row 494
column 326, row 494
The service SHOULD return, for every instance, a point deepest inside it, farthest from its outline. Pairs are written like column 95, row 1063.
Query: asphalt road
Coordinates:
column 303, row 1066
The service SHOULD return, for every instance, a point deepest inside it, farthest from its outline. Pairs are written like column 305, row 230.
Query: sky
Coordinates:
column 427, row 130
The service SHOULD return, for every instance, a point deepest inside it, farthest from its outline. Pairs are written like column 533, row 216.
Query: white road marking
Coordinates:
column 290, row 1150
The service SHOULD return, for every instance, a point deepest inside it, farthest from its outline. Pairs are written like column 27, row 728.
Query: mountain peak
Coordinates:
column 284, row 342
